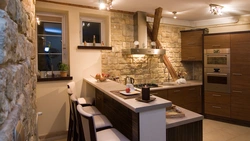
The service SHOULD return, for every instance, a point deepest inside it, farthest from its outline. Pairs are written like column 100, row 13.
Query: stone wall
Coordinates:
column 17, row 68
column 147, row 69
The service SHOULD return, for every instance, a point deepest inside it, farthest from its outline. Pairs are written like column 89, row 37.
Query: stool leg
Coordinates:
column 70, row 126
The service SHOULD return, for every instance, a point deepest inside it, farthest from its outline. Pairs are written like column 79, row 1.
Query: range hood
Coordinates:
column 140, row 34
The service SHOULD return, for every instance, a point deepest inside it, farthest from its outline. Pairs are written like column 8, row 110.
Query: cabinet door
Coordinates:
column 217, row 104
column 217, row 41
column 176, row 96
column 160, row 93
column 240, row 98
column 191, row 45
column 192, row 96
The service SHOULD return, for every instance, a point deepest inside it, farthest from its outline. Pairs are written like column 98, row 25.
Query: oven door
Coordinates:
column 217, row 82
column 217, row 60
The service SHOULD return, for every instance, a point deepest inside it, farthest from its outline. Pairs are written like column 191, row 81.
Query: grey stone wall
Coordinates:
column 17, row 67
column 147, row 69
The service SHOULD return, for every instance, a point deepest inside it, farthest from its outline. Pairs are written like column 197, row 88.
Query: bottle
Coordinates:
column 93, row 40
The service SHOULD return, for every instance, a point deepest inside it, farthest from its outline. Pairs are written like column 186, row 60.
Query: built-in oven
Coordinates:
column 217, row 79
column 219, row 58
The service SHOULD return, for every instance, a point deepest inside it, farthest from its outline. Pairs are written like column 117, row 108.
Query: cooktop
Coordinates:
column 150, row 85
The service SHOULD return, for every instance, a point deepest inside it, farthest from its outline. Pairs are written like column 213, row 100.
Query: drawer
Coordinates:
column 222, row 110
column 215, row 97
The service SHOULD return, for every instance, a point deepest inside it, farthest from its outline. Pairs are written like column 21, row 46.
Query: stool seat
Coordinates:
column 111, row 134
column 101, row 122
column 85, row 101
column 91, row 109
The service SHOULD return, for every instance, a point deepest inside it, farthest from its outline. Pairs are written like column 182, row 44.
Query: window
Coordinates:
column 92, row 27
column 51, row 49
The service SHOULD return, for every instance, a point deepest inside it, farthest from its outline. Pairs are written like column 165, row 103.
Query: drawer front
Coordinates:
column 215, row 97
column 191, row 54
column 217, row 109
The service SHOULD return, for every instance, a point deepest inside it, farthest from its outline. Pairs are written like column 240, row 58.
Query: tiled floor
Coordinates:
column 221, row 131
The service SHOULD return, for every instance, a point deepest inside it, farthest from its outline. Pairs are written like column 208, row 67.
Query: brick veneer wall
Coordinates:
column 17, row 67
column 149, row 68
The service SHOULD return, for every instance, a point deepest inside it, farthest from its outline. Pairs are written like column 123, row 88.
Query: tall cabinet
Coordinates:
column 191, row 44
column 240, row 76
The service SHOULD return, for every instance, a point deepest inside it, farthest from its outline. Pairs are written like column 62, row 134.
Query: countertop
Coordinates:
column 188, row 84
column 132, row 104
column 189, row 118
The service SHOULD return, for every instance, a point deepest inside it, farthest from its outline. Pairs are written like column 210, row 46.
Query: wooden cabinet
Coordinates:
column 217, row 103
column 191, row 45
column 240, row 76
column 99, row 100
column 216, row 41
column 186, row 97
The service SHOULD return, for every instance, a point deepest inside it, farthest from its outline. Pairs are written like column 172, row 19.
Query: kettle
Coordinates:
column 129, row 80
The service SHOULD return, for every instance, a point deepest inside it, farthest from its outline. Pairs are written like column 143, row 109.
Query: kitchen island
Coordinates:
column 136, row 120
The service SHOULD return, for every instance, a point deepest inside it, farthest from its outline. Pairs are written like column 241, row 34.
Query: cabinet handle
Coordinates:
column 216, row 95
column 237, row 74
column 191, row 89
column 215, row 45
column 237, row 91
column 216, row 107
column 176, row 91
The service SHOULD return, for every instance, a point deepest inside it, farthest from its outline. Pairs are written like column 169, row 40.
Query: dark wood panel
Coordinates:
column 188, row 132
column 217, row 97
column 122, row 118
column 240, row 54
column 240, row 37
column 217, row 41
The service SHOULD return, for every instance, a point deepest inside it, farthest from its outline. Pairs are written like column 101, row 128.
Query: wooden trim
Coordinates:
column 84, row 6
column 54, row 79
column 95, row 47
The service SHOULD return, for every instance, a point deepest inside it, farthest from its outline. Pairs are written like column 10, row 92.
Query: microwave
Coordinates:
column 217, row 58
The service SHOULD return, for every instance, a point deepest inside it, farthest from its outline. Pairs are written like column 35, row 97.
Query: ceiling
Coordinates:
column 190, row 10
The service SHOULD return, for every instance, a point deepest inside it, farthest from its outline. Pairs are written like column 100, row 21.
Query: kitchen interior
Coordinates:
column 193, row 57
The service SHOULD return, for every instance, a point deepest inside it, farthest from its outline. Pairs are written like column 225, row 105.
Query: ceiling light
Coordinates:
column 215, row 9
column 105, row 4
column 174, row 12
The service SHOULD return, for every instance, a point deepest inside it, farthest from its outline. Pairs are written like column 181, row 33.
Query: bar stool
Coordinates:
column 101, row 121
column 90, row 129
column 84, row 101
column 87, row 101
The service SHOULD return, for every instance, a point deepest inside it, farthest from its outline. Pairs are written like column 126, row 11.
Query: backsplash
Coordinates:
column 147, row 69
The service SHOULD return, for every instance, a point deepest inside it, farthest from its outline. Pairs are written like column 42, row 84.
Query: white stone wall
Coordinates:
column 148, row 69
column 17, row 67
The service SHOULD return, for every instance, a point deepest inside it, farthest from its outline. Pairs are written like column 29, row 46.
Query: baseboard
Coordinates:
column 53, row 136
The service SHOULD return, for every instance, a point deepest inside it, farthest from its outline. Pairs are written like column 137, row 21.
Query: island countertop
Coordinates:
column 136, row 106
column 189, row 118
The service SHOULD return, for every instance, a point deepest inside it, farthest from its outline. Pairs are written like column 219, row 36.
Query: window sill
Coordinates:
column 58, row 78
column 95, row 47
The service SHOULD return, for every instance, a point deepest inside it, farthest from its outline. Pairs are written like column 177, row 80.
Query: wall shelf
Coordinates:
column 95, row 47
column 58, row 78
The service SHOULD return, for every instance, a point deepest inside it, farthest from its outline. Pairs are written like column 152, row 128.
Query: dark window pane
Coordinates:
column 89, row 29
column 46, row 61
column 49, row 46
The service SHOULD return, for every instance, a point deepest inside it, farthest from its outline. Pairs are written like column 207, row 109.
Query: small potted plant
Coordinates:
column 63, row 69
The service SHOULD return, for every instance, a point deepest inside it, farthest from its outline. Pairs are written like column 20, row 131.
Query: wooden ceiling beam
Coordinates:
column 156, row 24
